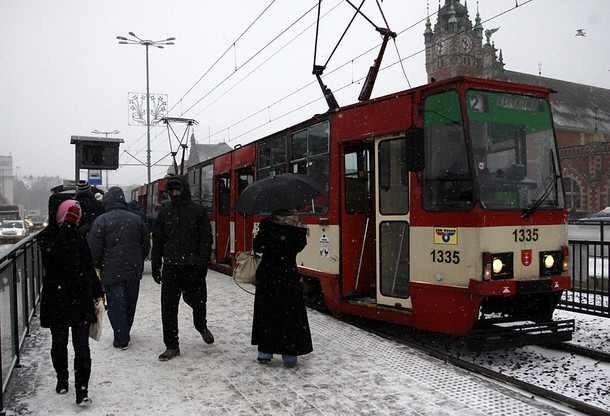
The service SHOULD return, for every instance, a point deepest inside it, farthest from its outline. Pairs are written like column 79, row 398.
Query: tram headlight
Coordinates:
column 497, row 266
column 552, row 263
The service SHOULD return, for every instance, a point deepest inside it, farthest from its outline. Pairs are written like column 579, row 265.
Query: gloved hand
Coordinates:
column 156, row 274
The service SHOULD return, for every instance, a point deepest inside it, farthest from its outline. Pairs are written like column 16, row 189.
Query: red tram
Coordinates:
column 444, row 204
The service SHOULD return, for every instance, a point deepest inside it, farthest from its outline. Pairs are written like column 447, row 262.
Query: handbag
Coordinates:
column 245, row 268
column 95, row 329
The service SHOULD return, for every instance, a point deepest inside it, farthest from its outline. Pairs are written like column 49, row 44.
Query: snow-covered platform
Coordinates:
column 350, row 372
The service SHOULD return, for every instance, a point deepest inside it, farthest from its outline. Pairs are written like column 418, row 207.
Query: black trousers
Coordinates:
column 188, row 282
column 82, row 354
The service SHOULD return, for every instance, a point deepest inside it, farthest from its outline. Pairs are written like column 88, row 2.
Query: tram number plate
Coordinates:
column 525, row 234
column 445, row 256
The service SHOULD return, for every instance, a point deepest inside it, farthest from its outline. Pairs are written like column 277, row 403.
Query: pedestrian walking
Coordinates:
column 280, row 324
column 182, row 241
column 119, row 243
column 70, row 289
column 91, row 207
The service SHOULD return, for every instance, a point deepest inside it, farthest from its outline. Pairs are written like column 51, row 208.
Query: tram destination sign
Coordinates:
column 96, row 153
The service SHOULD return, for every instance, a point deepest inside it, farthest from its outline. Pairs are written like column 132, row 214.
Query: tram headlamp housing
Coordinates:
column 497, row 266
column 552, row 262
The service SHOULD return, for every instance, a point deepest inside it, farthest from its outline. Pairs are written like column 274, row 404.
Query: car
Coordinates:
column 601, row 216
column 12, row 231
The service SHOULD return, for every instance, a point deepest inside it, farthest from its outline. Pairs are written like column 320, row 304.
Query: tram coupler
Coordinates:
column 498, row 335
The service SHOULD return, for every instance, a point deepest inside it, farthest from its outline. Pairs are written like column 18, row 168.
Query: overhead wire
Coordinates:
column 525, row 2
column 207, row 71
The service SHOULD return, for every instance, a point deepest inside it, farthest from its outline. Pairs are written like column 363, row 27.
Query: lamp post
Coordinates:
column 133, row 39
column 105, row 133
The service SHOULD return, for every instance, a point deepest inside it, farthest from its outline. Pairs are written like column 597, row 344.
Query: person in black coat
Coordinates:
column 119, row 243
column 70, row 289
column 182, row 241
column 91, row 207
column 280, row 324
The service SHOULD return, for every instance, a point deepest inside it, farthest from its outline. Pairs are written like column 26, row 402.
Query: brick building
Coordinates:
column 581, row 112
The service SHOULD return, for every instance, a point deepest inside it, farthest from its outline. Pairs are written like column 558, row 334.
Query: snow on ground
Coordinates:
column 5, row 248
column 350, row 372
column 565, row 373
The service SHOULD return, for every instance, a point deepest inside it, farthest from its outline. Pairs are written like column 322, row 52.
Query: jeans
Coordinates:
column 188, row 282
column 82, row 354
column 122, row 299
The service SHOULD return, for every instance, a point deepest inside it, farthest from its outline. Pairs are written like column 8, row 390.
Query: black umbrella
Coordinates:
column 285, row 191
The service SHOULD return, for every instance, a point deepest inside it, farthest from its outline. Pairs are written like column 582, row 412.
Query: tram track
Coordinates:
column 600, row 356
column 567, row 401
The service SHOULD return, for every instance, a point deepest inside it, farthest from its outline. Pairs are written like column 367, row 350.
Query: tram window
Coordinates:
column 394, row 258
column 317, row 142
column 207, row 188
column 357, row 173
column 277, row 170
column 244, row 179
column 393, row 177
column 448, row 183
column 298, row 144
column 224, row 195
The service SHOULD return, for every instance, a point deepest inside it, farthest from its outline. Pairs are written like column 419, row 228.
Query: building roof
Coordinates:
column 576, row 107
column 202, row 152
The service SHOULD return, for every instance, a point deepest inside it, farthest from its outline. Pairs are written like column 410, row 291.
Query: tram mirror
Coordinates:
column 414, row 149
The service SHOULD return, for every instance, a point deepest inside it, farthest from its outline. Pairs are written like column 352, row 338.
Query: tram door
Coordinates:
column 223, row 219
column 358, row 222
column 243, row 224
column 392, row 221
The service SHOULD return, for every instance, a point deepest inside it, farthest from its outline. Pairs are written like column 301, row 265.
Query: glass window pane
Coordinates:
column 224, row 195
column 207, row 188
column 318, row 139
column 393, row 177
column 357, row 181
column 299, row 145
column 448, row 183
column 394, row 258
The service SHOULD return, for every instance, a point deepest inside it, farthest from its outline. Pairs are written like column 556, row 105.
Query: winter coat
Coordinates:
column 91, row 208
column 133, row 206
column 280, row 324
column 70, row 284
column 182, row 234
column 119, row 240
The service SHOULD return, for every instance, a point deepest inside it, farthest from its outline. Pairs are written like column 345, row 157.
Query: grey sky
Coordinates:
column 62, row 72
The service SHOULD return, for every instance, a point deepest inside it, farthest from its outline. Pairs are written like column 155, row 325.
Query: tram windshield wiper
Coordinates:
column 552, row 184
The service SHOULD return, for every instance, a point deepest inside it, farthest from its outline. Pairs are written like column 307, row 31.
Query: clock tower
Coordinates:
column 455, row 47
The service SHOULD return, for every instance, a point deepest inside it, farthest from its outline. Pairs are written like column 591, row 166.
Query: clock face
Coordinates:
column 466, row 43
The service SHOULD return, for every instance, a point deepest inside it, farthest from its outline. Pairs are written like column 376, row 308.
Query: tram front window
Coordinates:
column 447, row 177
column 513, row 149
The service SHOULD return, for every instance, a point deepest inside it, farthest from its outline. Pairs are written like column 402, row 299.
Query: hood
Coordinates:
column 114, row 198
column 182, row 183
column 55, row 201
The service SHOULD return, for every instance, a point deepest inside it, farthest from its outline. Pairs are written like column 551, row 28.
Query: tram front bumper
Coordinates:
column 507, row 288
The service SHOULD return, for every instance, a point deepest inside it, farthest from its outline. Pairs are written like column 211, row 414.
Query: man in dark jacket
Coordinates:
column 91, row 207
column 182, row 240
column 119, row 242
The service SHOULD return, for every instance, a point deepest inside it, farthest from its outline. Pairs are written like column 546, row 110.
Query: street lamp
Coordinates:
column 106, row 133
column 134, row 39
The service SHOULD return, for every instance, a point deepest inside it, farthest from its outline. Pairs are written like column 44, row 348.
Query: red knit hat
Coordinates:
column 69, row 212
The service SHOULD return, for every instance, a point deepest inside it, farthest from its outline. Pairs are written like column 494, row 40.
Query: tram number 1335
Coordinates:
column 525, row 234
column 445, row 256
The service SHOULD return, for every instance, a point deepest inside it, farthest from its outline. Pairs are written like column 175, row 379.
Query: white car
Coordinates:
column 12, row 231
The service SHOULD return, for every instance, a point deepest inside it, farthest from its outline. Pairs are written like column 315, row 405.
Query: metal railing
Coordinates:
column 20, row 285
column 590, row 268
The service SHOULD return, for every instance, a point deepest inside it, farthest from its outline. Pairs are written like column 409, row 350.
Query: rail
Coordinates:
column 20, row 285
column 590, row 269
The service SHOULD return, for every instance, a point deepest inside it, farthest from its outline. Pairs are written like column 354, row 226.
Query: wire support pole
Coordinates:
column 148, row 175
column 315, row 47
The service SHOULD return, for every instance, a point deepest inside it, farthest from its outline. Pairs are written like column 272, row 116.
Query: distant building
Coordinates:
column 7, row 180
column 200, row 153
column 581, row 112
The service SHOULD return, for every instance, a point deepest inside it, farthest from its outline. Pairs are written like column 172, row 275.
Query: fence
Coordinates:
column 590, row 269
column 20, row 285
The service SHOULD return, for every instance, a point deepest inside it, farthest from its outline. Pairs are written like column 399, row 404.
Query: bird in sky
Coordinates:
column 580, row 32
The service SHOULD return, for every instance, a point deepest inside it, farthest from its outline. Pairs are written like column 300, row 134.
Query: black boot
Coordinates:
column 169, row 353
column 207, row 336
column 62, row 385
column 82, row 372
